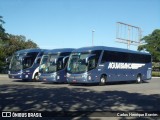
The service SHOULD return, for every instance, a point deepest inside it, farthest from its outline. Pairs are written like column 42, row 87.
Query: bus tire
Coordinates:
column 139, row 79
column 36, row 77
column 103, row 80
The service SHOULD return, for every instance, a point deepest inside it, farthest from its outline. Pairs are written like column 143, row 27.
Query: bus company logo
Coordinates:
column 6, row 114
column 17, row 114
column 115, row 65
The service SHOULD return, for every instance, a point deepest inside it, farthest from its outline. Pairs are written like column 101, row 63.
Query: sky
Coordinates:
column 70, row 23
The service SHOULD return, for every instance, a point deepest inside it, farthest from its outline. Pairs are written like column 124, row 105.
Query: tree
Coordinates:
column 18, row 42
column 3, row 36
column 152, row 45
column 11, row 43
column 2, row 30
column 2, row 21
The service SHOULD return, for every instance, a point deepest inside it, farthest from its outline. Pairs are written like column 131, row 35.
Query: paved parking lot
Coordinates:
column 16, row 95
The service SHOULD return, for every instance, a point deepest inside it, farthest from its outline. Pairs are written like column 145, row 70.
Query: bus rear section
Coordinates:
column 53, row 65
column 24, row 64
column 101, row 64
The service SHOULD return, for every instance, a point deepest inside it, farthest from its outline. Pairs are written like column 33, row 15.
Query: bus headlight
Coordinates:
column 58, row 77
column 53, row 75
column 89, row 78
column 26, row 76
column 84, row 75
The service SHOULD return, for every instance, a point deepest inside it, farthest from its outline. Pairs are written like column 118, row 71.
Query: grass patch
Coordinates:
column 155, row 74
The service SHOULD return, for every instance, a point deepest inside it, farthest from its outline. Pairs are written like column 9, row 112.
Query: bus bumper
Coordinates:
column 51, row 78
column 15, row 76
column 80, row 78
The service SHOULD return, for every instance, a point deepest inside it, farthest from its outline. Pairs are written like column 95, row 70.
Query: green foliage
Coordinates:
column 3, row 36
column 18, row 42
column 10, row 43
column 1, row 21
column 152, row 44
column 155, row 74
column 156, row 66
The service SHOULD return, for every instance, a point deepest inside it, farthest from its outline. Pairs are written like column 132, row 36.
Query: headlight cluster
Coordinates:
column 68, row 75
column 58, row 77
column 54, row 75
column 89, row 77
column 26, row 76
column 86, row 76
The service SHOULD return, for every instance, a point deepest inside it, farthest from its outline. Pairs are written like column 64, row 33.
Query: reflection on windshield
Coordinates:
column 22, row 61
column 77, row 63
column 83, row 62
column 51, row 63
column 16, row 62
column 29, row 60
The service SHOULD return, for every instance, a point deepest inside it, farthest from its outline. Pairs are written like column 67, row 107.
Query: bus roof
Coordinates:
column 60, row 50
column 91, row 48
column 30, row 50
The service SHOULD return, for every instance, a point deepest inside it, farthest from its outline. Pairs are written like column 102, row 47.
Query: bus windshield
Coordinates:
column 29, row 59
column 51, row 63
column 22, row 61
column 77, row 63
column 16, row 62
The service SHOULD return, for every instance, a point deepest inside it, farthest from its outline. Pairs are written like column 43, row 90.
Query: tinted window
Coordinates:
column 65, row 54
column 97, row 55
column 91, row 63
column 65, row 61
column 139, row 58
column 41, row 53
column 113, row 56
column 29, row 59
column 38, row 60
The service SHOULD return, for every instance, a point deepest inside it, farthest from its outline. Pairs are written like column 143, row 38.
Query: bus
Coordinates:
column 100, row 64
column 25, row 64
column 53, row 65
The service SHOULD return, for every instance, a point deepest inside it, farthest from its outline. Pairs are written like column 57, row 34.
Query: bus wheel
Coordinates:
column 36, row 77
column 139, row 79
column 102, row 80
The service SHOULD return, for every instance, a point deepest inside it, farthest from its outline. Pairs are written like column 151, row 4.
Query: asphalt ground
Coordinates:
column 82, row 101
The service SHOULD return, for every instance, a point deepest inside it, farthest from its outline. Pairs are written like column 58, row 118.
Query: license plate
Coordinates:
column 12, row 76
column 74, row 80
column 44, row 79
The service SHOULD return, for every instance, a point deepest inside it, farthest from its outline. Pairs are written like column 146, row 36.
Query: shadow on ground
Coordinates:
column 30, row 98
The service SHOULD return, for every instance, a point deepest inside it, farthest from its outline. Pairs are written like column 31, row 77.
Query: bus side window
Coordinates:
column 104, row 57
column 59, row 65
column 38, row 60
column 65, row 62
column 92, row 64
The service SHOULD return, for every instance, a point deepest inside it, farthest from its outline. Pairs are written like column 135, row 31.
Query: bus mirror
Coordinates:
column 88, row 58
column 58, row 59
column 55, row 61
column 7, row 60
column 65, row 59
